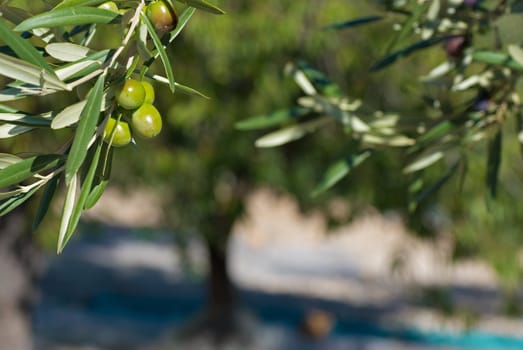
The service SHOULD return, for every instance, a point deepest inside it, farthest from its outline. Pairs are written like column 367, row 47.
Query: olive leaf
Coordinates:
column 336, row 172
column 67, row 16
column 272, row 119
column 204, row 5
column 23, row 49
column 85, row 131
column 161, row 51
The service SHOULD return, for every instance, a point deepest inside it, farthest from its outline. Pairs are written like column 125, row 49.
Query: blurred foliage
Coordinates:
column 202, row 168
column 471, row 93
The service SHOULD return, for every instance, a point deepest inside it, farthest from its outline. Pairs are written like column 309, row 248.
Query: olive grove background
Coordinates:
column 205, row 163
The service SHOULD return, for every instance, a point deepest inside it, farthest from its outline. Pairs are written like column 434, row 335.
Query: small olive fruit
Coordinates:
column 149, row 92
column 131, row 94
column 122, row 133
column 109, row 6
column 147, row 121
column 455, row 46
column 162, row 15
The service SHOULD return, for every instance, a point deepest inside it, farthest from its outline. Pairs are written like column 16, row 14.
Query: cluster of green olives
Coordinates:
column 135, row 102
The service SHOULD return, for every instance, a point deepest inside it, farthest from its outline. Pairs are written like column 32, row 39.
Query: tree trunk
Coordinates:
column 220, row 290
column 17, row 276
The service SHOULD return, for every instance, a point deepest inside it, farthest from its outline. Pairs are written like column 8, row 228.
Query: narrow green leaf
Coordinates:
column 494, row 163
column 85, row 131
column 84, row 193
column 26, row 119
column 45, row 201
column 423, row 162
column 9, row 204
column 321, row 82
column 67, row 211
column 419, row 195
column 76, row 3
column 354, row 22
column 189, row 91
column 20, row 171
column 11, row 130
column 7, row 109
column 339, row 170
column 291, row 133
column 7, row 159
column 23, row 49
column 183, row 19
column 96, row 193
column 14, row 93
column 272, row 119
column 68, row 116
column 496, row 58
column 204, row 5
column 67, row 52
column 67, row 16
column 84, row 66
column 20, row 70
column 393, row 57
column 409, row 24
column 161, row 51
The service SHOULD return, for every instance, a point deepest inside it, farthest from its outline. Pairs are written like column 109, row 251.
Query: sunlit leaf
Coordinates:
column 291, row 133
column 67, row 16
column 11, row 130
column 85, row 131
column 68, row 116
column 20, row 70
column 7, row 159
column 24, row 169
column 67, row 52
column 82, row 197
column 423, row 162
column 67, row 211
column 516, row 52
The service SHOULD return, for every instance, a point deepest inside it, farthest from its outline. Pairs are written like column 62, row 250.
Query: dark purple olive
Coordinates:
column 455, row 46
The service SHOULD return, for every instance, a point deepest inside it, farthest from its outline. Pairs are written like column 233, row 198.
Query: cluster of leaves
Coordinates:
column 469, row 97
column 52, row 52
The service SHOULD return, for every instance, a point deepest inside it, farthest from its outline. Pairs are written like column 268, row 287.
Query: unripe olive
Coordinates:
column 131, row 94
column 122, row 132
column 147, row 121
column 109, row 6
column 149, row 92
column 162, row 15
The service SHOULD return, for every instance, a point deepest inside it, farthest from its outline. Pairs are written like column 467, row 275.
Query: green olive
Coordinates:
column 131, row 94
column 109, row 6
column 149, row 92
column 162, row 15
column 122, row 132
column 147, row 121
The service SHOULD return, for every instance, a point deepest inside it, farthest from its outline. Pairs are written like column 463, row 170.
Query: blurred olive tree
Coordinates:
column 470, row 122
